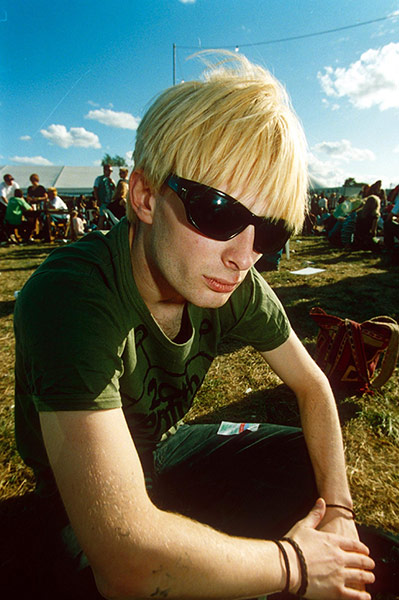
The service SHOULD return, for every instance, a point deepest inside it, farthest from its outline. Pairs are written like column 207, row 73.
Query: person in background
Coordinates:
column 103, row 191
column 36, row 195
column 77, row 226
column 56, row 203
column 391, row 230
column 138, row 504
column 366, row 225
column 119, row 199
column 17, row 207
column 7, row 188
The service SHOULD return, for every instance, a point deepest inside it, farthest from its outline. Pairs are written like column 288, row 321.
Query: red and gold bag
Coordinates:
column 358, row 357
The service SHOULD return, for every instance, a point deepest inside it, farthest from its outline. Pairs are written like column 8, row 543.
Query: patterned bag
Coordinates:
column 357, row 357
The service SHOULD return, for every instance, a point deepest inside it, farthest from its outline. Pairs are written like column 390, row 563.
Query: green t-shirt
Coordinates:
column 85, row 340
column 15, row 209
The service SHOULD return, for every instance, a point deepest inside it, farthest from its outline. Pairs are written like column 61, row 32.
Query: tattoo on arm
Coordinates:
column 160, row 593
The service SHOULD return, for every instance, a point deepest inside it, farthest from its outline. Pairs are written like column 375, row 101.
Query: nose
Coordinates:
column 239, row 253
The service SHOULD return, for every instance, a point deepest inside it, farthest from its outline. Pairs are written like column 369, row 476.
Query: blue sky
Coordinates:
column 77, row 75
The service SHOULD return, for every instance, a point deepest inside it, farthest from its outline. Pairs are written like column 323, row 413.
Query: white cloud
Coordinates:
column 344, row 151
column 25, row 138
column 92, row 103
column 325, row 173
column 31, row 160
column 76, row 136
column 188, row 1
column 327, row 104
column 122, row 120
column 373, row 80
column 396, row 149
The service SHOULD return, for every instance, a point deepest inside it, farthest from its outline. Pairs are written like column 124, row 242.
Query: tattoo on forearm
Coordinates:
column 160, row 593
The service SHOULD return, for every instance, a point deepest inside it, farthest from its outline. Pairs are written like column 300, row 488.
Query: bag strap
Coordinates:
column 354, row 332
column 391, row 354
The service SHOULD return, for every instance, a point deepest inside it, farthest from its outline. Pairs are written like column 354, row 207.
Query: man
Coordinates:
column 103, row 191
column 154, row 509
column 7, row 188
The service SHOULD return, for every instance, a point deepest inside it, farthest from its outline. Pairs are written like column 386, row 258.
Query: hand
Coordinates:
column 338, row 521
column 338, row 565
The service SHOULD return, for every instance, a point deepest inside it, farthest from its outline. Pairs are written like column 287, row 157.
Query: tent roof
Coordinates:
column 67, row 180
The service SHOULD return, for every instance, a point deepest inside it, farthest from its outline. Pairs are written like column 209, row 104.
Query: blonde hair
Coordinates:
column 234, row 128
column 53, row 190
column 371, row 207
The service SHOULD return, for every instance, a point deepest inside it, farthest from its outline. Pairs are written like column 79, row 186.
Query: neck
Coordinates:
column 164, row 304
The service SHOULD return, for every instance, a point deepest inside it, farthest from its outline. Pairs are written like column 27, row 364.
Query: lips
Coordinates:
column 220, row 285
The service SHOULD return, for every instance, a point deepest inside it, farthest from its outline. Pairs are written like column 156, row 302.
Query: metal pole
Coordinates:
column 174, row 64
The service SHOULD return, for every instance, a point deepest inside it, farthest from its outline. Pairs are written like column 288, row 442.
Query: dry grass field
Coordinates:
column 240, row 386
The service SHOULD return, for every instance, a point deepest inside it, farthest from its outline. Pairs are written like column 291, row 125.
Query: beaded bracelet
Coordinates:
column 302, row 562
column 352, row 512
column 287, row 565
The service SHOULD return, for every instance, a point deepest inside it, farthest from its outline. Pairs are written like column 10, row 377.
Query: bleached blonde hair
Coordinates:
column 235, row 127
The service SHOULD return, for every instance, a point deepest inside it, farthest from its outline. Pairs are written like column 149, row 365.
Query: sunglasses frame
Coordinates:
column 263, row 225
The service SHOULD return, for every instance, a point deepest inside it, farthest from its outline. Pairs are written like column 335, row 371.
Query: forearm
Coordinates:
column 180, row 558
column 323, row 436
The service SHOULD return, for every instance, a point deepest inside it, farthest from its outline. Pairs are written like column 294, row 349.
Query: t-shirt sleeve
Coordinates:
column 25, row 204
column 255, row 316
column 69, row 344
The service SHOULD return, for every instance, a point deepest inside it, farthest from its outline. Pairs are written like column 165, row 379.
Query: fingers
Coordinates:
column 353, row 545
column 359, row 561
column 357, row 579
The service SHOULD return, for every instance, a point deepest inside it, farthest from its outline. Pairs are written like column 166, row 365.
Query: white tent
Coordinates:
column 70, row 181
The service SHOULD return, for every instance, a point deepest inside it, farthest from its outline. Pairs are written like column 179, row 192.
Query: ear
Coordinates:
column 141, row 196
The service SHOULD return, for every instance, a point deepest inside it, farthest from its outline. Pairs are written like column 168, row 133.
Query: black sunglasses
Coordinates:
column 220, row 217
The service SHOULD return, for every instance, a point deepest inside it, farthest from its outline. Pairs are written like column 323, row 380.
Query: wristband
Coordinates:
column 287, row 565
column 352, row 512
column 302, row 563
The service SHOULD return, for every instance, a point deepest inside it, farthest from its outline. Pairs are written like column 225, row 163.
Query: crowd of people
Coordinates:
column 43, row 215
column 368, row 221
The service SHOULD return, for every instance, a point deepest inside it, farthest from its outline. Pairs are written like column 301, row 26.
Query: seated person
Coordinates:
column 139, row 505
column 77, row 226
column 17, row 207
column 366, row 225
column 37, row 194
column 391, row 231
column 56, row 203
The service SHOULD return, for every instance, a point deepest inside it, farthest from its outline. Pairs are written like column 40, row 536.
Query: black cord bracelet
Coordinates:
column 287, row 565
column 302, row 562
column 352, row 512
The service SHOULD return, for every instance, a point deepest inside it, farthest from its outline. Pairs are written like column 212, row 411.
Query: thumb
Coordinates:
column 316, row 514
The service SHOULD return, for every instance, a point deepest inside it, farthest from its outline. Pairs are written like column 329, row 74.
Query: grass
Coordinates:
column 239, row 386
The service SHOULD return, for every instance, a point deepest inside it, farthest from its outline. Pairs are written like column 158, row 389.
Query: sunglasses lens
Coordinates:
column 270, row 237
column 215, row 216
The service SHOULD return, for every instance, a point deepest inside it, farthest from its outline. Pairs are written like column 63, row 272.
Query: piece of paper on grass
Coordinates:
column 307, row 271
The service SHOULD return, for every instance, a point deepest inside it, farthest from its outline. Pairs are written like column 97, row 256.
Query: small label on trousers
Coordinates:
column 229, row 428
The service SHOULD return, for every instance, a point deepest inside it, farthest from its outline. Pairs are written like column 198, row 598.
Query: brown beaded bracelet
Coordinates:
column 350, row 510
column 287, row 565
